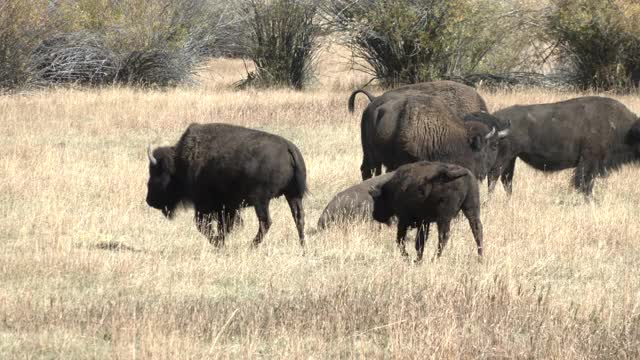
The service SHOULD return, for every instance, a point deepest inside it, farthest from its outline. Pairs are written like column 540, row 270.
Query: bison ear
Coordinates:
column 375, row 191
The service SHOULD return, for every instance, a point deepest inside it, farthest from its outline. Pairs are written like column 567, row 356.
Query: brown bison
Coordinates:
column 591, row 134
column 425, row 192
column 353, row 204
column 417, row 127
column 459, row 98
column 221, row 168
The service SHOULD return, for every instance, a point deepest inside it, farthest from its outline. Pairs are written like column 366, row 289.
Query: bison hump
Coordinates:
column 425, row 131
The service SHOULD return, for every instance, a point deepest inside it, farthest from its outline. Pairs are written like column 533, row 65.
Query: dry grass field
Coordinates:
column 87, row 270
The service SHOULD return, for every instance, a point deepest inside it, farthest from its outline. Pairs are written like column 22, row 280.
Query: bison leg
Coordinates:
column 370, row 167
column 297, row 211
column 226, row 221
column 402, row 234
column 443, row 235
column 492, row 179
column 507, row 176
column 204, row 223
column 584, row 176
column 421, row 238
column 476, row 227
column 264, row 220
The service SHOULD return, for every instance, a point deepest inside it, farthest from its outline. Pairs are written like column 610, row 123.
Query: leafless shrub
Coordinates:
column 80, row 58
column 155, row 67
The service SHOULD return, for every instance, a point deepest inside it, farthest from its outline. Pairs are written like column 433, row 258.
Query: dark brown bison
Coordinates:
column 353, row 204
column 417, row 127
column 220, row 168
column 425, row 192
column 592, row 134
column 460, row 99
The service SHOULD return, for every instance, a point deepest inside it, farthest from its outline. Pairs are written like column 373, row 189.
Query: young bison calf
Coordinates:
column 425, row 192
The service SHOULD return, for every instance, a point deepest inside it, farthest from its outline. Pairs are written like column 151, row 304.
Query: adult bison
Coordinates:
column 352, row 204
column 460, row 99
column 418, row 127
column 425, row 192
column 220, row 168
column 591, row 134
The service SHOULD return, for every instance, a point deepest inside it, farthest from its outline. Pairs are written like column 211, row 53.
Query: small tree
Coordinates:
column 408, row 41
column 281, row 41
column 599, row 41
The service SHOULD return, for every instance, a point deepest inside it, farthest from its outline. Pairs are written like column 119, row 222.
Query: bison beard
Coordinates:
column 221, row 168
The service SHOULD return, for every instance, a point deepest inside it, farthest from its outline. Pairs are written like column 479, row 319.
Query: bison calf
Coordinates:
column 352, row 204
column 220, row 168
column 424, row 192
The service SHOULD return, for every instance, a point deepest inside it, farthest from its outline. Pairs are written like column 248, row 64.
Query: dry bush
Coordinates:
column 598, row 41
column 281, row 41
column 409, row 41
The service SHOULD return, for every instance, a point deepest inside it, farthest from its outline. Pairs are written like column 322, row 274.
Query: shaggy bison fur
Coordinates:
column 419, row 127
column 352, row 204
column 592, row 134
column 221, row 168
column 425, row 192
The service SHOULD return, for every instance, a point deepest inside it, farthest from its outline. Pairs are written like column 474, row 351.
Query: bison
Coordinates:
column 591, row 134
column 417, row 127
column 424, row 192
column 354, row 203
column 462, row 99
column 459, row 98
column 221, row 168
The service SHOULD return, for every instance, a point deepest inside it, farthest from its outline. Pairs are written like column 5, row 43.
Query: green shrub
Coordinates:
column 409, row 41
column 281, row 41
column 599, row 41
column 22, row 25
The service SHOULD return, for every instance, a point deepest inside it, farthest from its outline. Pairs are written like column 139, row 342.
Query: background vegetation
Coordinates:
column 585, row 43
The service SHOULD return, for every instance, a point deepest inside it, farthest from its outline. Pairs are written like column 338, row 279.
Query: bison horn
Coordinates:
column 503, row 133
column 152, row 159
column 491, row 133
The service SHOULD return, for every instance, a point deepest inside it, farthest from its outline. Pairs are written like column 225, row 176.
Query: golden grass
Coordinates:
column 560, row 278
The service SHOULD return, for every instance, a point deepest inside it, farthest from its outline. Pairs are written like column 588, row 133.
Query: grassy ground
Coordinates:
column 87, row 270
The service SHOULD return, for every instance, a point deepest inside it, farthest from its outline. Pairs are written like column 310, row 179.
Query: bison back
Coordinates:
column 232, row 164
column 460, row 98
column 352, row 204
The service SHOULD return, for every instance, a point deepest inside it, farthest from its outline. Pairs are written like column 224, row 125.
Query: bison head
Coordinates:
column 382, row 210
column 484, row 142
column 162, row 190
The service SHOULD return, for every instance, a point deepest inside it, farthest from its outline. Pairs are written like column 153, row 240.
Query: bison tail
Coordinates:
column 352, row 98
column 299, row 171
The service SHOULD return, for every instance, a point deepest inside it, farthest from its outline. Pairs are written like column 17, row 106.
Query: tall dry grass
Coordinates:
column 560, row 278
